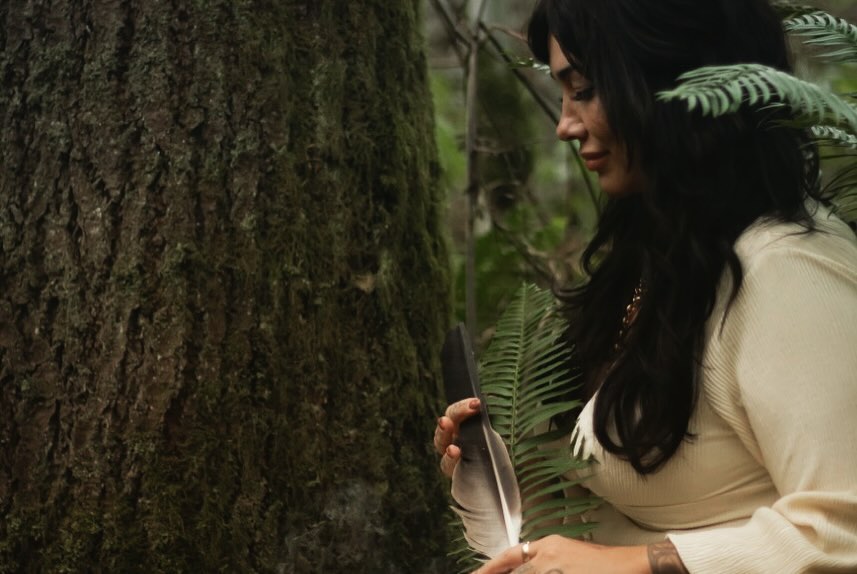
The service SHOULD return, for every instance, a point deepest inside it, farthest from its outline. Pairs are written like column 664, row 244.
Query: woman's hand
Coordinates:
column 560, row 555
column 447, row 431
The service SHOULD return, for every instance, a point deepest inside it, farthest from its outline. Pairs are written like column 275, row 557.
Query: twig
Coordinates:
column 480, row 12
column 548, row 109
column 537, row 261
column 468, row 59
column 508, row 31
column 457, row 39
column 471, row 113
column 540, row 99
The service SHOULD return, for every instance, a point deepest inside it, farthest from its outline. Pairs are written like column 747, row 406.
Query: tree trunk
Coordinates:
column 223, row 288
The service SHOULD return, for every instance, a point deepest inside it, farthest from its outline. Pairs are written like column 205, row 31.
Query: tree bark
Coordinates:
column 223, row 288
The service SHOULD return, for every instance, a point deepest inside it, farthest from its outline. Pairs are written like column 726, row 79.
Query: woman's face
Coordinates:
column 583, row 119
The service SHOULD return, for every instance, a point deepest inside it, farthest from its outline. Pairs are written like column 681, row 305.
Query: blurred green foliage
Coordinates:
column 535, row 212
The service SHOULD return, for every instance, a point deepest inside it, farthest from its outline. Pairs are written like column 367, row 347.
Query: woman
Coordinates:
column 718, row 329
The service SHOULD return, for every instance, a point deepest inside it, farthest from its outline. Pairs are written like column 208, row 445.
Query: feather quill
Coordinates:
column 484, row 485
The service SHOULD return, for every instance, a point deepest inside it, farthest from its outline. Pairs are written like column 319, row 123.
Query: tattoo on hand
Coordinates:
column 664, row 559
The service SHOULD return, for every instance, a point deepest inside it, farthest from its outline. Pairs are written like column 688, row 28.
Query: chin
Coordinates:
column 616, row 190
column 618, row 187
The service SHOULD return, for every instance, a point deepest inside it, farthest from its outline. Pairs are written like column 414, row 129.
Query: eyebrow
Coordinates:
column 563, row 74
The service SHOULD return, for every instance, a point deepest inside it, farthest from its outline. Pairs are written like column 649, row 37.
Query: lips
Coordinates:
column 594, row 160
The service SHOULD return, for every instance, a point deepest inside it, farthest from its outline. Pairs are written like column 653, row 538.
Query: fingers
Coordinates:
column 447, row 425
column 450, row 459
column 443, row 434
column 446, row 432
column 462, row 409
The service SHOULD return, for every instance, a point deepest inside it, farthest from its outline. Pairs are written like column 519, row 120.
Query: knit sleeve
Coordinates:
column 788, row 352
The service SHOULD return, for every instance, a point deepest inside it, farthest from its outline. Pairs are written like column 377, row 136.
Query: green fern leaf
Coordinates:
column 834, row 137
column 821, row 29
column 719, row 90
column 789, row 9
column 530, row 63
column 512, row 370
column 527, row 342
column 845, row 206
column 841, row 189
column 525, row 383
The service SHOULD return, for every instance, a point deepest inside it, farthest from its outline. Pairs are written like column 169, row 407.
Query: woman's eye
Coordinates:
column 584, row 94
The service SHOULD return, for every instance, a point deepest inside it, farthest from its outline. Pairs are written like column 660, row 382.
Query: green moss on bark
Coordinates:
column 226, row 289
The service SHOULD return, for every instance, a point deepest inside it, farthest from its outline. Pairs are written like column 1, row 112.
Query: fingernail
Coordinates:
column 474, row 404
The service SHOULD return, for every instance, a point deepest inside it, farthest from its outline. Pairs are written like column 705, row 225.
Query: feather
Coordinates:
column 484, row 485
column 486, row 491
column 581, row 440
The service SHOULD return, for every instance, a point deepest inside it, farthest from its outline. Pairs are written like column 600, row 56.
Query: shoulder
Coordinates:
column 790, row 333
column 806, row 275
column 767, row 246
column 797, row 302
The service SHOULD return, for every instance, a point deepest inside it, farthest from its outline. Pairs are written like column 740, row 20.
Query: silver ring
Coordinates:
column 525, row 551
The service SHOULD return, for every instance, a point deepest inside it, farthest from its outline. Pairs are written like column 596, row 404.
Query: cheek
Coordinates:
column 605, row 135
column 598, row 121
column 618, row 180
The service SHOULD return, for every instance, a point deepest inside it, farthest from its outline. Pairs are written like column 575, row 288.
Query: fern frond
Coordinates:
column 788, row 9
column 530, row 63
column 525, row 382
column 465, row 558
column 834, row 137
column 719, row 90
column 523, row 365
column 841, row 191
column 821, row 29
column 845, row 206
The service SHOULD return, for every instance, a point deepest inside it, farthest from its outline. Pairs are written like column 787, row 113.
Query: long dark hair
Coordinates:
column 707, row 181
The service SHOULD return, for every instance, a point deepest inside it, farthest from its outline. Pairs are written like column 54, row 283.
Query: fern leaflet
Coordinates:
column 719, row 90
column 834, row 137
column 788, row 9
column 821, row 29
column 525, row 382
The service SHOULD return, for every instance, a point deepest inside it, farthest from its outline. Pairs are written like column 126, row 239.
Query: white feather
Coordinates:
column 489, row 500
column 582, row 441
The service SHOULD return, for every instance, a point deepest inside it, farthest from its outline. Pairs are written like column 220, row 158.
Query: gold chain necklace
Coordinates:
column 631, row 311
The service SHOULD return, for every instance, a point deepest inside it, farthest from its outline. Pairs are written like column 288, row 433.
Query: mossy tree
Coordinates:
column 222, row 288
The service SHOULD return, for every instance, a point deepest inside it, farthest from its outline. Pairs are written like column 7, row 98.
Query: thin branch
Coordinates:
column 508, row 31
column 540, row 99
column 480, row 12
column 472, row 134
column 537, row 260
column 457, row 39
column 547, row 108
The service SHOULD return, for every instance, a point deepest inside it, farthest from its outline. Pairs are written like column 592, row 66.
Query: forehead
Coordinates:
column 561, row 68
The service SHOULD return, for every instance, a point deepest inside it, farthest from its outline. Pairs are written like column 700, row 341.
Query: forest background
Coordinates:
column 232, row 236
column 536, row 206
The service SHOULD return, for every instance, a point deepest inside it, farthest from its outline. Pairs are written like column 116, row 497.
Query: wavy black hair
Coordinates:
column 707, row 180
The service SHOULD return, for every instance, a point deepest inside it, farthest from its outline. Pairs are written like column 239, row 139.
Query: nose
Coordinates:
column 570, row 126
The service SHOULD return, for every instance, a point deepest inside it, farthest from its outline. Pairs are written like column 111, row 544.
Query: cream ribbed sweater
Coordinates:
column 768, row 484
